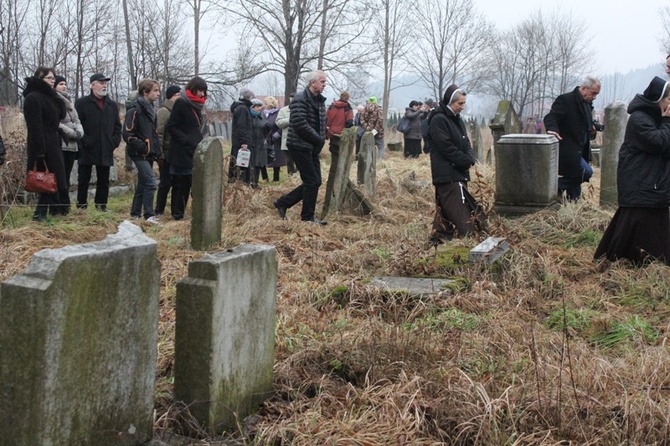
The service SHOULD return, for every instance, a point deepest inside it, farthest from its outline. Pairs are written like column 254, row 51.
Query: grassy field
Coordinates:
column 543, row 347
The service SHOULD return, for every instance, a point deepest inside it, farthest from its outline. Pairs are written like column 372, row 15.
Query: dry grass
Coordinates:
column 544, row 347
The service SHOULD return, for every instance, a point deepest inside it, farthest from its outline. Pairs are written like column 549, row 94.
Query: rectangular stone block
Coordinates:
column 224, row 335
column 207, row 192
column 489, row 250
column 78, row 333
column 526, row 173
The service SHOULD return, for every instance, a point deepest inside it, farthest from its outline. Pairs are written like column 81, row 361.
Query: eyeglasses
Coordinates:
column 49, row 77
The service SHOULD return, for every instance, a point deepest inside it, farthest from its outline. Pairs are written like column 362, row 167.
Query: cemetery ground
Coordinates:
column 544, row 346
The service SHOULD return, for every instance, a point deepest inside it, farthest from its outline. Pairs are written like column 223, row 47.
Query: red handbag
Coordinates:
column 41, row 182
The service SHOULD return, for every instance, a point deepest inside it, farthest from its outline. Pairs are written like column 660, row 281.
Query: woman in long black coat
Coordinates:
column 186, row 127
column 43, row 111
column 640, row 228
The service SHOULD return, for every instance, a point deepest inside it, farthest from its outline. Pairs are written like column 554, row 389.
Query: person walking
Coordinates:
column 70, row 130
column 413, row 136
column 283, row 121
column 273, row 137
column 186, row 127
column 451, row 156
column 373, row 121
column 306, row 137
column 143, row 147
column 99, row 117
column 259, row 155
column 43, row 111
column 640, row 228
column 172, row 93
column 241, row 135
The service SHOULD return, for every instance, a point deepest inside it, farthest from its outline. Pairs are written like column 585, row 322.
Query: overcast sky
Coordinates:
column 625, row 34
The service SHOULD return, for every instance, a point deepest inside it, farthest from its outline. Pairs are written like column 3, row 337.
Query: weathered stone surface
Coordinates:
column 505, row 122
column 340, row 168
column 615, row 122
column 489, row 250
column 207, row 192
column 526, row 173
column 224, row 337
column 367, row 165
column 78, row 333
column 396, row 146
column 416, row 287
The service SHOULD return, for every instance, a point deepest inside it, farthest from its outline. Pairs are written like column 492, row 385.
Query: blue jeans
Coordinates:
column 144, row 191
column 379, row 142
column 573, row 186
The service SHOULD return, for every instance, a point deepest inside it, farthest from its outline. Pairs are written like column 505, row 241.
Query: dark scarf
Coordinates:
column 147, row 107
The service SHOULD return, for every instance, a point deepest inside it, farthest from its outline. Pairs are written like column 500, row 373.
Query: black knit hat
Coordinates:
column 59, row 79
column 656, row 89
column 171, row 91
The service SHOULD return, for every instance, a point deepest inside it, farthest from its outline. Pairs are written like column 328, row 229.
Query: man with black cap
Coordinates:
column 570, row 120
column 241, row 129
column 99, row 117
column 172, row 93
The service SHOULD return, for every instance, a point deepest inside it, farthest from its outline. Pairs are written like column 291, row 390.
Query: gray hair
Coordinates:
column 314, row 76
column 590, row 82
column 246, row 93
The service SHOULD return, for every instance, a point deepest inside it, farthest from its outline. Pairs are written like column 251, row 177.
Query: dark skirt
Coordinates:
column 457, row 213
column 638, row 234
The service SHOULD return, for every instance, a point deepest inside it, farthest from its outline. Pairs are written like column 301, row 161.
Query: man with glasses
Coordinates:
column 99, row 117
column 570, row 120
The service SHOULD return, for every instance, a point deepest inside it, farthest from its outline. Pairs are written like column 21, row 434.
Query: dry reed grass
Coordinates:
column 515, row 356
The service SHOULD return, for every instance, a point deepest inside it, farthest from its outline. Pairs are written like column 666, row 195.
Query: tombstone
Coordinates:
column 476, row 140
column 207, row 193
column 526, row 173
column 615, row 119
column 224, row 335
column 78, row 334
column 505, row 122
column 367, row 164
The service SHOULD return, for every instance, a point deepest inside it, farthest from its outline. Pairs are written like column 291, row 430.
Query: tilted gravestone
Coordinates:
column 78, row 333
column 224, row 335
column 526, row 173
column 367, row 164
column 341, row 193
column 616, row 119
column 207, row 192
column 505, row 122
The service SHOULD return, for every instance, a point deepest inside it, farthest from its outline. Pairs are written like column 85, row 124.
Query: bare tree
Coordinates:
column 665, row 34
column 453, row 45
column 12, row 38
column 129, row 46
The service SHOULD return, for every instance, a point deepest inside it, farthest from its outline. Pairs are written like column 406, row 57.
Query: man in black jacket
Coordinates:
column 241, row 128
column 99, row 117
column 306, row 136
column 570, row 120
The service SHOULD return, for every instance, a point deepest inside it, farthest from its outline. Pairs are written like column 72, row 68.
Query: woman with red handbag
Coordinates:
column 43, row 110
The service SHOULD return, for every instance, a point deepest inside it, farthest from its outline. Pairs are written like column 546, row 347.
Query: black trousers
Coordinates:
column 164, row 186
column 308, row 165
column 101, row 186
column 181, row 189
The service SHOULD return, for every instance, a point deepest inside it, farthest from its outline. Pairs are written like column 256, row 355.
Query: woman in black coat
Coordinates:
column 640, row 228
column 186, row 127
column 43, row 110
column 451, row 156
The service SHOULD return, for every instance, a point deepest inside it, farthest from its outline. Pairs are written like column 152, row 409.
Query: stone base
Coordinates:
column 517, row 210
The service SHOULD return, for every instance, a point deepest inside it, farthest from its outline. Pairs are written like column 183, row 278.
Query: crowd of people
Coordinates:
column 265, row 136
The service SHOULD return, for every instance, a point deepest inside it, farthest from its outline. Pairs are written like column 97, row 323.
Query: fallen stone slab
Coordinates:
column 414, row 286
column 489, row 250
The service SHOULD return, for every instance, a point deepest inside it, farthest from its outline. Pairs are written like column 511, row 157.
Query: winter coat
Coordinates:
column 259, row 129
column 163, row 115
column 307, row 130
column 372, row 119
column 338, row 117
column 140, row 134
column 274, row 137
column 643, row 173
column 414, row 117
column 70, row 126
column 241, row 125
column 572, row 118
column 43, row 110
column 184, row 128
column 102, row 130
column 451, row 155
column 283, row 121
